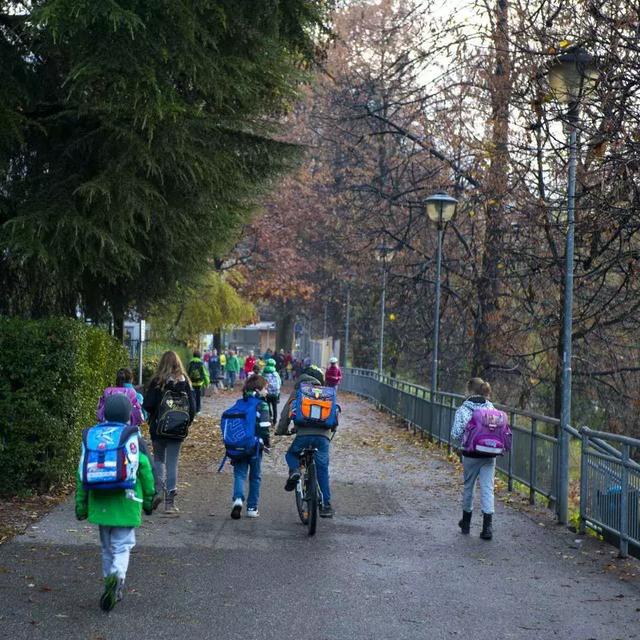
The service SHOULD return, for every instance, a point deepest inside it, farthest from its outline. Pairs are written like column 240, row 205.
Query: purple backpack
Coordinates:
column 487, row 432
column 136, row 410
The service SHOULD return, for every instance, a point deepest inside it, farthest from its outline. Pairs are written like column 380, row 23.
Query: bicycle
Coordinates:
column 308, row 496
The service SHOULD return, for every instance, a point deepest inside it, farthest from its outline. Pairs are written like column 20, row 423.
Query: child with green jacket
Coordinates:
column 117, row 512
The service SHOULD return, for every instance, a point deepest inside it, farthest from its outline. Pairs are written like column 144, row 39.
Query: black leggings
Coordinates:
column 272, row 401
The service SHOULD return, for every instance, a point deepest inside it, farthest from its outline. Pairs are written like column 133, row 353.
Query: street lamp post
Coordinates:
column 384, row 255
column 571, row 75
column 440, row 209
column 346, row 327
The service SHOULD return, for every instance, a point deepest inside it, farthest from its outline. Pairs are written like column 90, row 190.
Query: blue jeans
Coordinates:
column 240, row 469
column 322, row 460
column 197, row 395
column 231, row 375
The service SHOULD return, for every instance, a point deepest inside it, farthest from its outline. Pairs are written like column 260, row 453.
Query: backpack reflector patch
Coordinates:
column 110, row 456
column 315, row 406
column 487, row 432
column 238, row 427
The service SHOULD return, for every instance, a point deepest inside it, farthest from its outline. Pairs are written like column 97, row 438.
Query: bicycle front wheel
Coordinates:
column 312, row 498
column 301, row 504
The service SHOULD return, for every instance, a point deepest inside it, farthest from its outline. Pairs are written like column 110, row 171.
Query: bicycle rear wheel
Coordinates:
column 312, row 498
column 301, row 504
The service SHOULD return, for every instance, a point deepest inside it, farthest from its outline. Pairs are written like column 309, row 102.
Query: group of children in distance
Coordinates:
column 117, row 479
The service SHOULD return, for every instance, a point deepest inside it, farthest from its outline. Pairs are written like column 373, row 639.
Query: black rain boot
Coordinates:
column 487, row 531
column 465, row 523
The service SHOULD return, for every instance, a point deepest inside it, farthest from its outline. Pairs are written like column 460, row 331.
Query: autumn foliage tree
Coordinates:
column 412, row 100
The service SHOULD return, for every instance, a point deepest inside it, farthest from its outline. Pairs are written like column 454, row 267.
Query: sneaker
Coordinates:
column 326, row 510
column 252, row 513
column 120, row 589
column 109, row 598
column 292, row 480
column 237, row 508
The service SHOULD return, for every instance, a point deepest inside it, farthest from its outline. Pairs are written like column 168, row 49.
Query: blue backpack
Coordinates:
column 315, row 406
column 110, row 456
column 238, row 426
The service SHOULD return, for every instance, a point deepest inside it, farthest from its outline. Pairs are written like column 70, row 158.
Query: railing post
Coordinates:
column 624, row 503
column 584, row 478
column 431, row 414
column 512, row 417
column 448, row 431
column 533, row 461
column 555, row 502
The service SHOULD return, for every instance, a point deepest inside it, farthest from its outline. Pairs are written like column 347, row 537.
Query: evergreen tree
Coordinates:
column 134, row 138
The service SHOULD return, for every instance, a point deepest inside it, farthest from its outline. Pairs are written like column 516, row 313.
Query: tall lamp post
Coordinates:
column 347, row 321
column 571, row 75
column 440, row 209
column 384, row 255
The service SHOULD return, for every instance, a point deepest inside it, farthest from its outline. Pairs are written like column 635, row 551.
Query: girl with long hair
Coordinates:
column 170, row 376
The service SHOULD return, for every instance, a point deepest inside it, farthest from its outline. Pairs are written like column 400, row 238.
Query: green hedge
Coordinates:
column 52, row 373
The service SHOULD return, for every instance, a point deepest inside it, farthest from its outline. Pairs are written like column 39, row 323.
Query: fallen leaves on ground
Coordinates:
column 19, row 512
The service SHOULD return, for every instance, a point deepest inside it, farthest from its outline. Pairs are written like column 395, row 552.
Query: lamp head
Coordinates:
column 384, row 253
column 572, row 75
column 440, row 207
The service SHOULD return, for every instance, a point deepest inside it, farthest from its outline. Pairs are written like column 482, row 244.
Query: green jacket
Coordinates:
column 204, row 382
column 232, row 364
column 112, row 508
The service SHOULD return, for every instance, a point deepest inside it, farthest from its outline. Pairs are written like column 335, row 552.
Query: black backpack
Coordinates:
column 196, row 372
column 173, row 415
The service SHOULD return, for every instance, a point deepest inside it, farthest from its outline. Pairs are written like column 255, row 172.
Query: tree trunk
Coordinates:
column 118, row 321
column 487, row 283
column 285, row 323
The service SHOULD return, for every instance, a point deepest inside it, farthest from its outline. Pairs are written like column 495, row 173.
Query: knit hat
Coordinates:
column 315, row 372
column 333, row 360
column 306, row 362
column 117, row 408
column 271, row 362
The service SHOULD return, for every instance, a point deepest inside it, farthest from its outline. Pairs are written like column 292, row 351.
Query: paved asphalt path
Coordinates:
column 391, row 565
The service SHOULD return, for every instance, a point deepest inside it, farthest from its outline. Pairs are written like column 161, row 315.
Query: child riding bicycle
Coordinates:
column 315, row 437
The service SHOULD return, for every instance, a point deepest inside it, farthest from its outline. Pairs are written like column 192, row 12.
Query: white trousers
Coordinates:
column 116, row 543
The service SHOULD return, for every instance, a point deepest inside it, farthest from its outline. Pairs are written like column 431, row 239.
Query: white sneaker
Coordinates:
column 236, row 509
column 252, row 513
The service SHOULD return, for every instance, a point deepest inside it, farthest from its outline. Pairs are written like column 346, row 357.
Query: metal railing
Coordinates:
column 533, row 460
column 610, row 488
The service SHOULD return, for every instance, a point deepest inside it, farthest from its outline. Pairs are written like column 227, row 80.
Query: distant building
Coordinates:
column 256, row 337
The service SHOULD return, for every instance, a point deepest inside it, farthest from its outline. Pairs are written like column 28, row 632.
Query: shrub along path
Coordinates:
column 390, row 565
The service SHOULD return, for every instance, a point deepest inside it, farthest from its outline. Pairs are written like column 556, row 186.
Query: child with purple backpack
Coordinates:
column 480, row 433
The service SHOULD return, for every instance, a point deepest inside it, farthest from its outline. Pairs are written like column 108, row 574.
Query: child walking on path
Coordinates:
column 198, row 373
column 333, row 375
column 170, row 377
column 477, row 466
column 256, row 387
column 274, row 384
column 117, row 512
